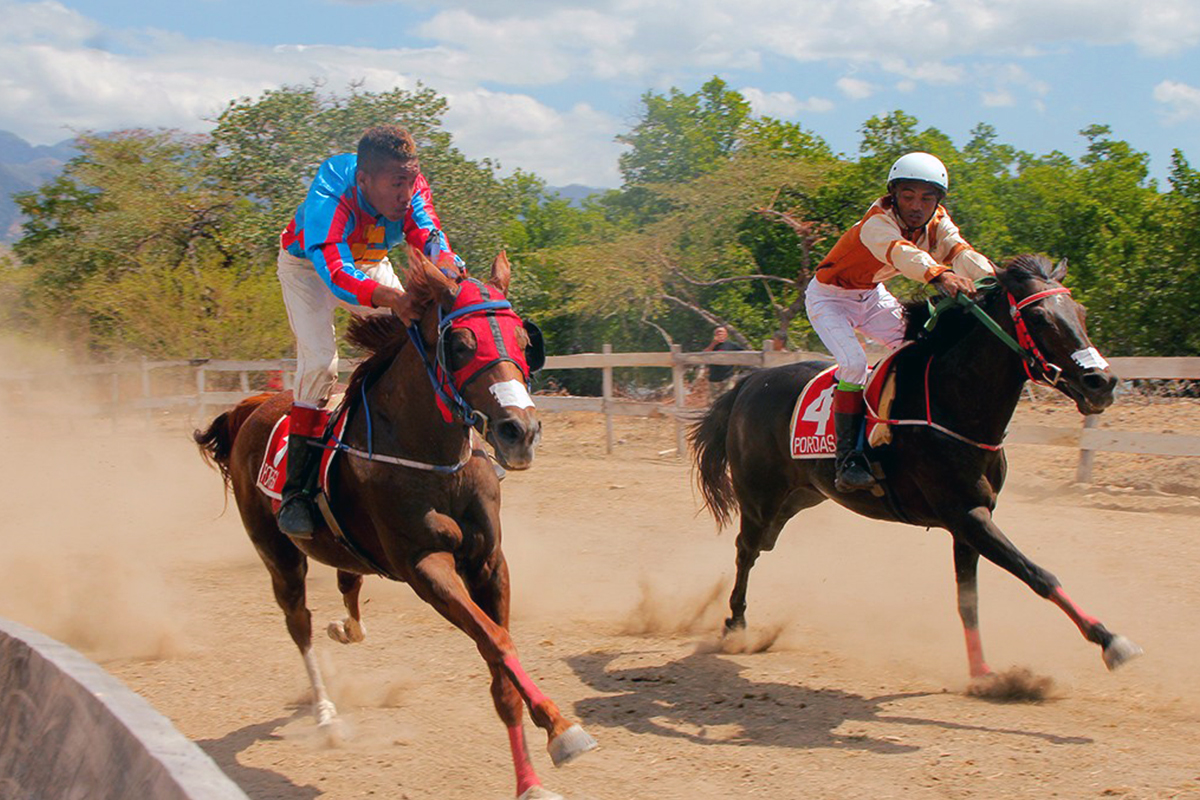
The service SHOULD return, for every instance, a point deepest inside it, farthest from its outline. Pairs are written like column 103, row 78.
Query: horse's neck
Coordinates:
column 405, row 420
column 975, row 385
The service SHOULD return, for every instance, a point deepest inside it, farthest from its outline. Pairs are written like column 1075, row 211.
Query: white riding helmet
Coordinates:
column 919, row 167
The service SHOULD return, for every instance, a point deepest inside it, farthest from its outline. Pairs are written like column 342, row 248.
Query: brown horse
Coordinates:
column 957, row 386
column 415, row 501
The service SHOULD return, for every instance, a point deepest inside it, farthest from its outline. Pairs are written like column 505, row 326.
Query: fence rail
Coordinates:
column 1088, row 439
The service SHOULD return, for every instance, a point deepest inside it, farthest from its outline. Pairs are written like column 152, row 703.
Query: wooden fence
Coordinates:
column 1088, row 438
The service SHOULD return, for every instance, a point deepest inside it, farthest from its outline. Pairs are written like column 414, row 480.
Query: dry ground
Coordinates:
column 118, row 545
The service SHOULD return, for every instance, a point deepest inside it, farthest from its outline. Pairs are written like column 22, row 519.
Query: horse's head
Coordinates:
column 1050, row 326
column 482, row 351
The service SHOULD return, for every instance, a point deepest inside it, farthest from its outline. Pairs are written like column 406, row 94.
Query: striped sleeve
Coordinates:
column 328, row 222
column 423, row 229
column 882, row 237
column 955, row 251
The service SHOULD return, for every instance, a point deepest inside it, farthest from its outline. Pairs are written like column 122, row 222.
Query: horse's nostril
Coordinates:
column 1098, row 381
column 510, row 430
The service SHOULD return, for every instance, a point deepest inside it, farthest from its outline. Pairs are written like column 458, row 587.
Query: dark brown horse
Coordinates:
column 416, row 501
column 964, row 377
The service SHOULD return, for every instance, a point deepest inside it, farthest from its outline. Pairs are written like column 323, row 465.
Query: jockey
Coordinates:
column 334, row 254
column 905, row 232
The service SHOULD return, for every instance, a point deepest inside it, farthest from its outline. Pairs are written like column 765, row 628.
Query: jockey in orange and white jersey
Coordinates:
column 334, row 254
column 905, row 232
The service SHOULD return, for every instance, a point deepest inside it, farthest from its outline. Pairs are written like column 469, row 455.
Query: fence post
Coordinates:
column 1083, row 472
column 244, row 381
column 200, row 383
column 677, row 371
column 146, row 390
column 114, row 397
column 606, row 384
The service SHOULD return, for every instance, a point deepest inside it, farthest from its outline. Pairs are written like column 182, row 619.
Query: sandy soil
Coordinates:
column 118, row 545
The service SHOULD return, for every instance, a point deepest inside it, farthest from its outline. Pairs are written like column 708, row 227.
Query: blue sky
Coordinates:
column 546, row 85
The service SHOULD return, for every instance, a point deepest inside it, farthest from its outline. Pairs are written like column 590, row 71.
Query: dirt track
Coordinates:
column 118, row 546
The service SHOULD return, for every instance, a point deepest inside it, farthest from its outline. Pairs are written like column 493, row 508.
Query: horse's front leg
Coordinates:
column 966, row 563
column 437, row 582
column 491, row 593
column 977, row 529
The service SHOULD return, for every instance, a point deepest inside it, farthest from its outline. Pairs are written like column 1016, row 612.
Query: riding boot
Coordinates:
column 853, row 471
column 297, row 514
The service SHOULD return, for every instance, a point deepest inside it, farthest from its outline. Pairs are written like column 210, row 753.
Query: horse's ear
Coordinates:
column 1060, row 271
column 427, row 280
column 501, row 272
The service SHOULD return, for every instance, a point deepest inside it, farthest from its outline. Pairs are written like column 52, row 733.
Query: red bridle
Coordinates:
column 1050, row 372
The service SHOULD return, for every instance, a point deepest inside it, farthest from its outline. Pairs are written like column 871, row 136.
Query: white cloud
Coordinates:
column 998, row 99
column 1182, row 100
column 855, row 89
column 782, row 105
column 519, row 131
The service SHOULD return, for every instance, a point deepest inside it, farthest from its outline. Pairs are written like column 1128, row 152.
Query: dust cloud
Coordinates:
column 93, row 512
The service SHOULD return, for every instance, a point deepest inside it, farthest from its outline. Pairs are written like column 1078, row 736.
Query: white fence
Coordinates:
column 1088, row 438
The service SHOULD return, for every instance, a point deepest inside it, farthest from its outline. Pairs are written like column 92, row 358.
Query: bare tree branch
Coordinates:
column 733, row 279
column 709, row 317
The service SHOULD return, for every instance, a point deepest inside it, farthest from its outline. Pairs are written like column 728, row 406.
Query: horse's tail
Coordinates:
column 216, row 442
column 707, row 438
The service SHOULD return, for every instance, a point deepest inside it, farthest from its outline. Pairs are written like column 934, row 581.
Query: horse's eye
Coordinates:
column 461, row 349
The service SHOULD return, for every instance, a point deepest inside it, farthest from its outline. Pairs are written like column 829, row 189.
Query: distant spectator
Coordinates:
column 721, row 375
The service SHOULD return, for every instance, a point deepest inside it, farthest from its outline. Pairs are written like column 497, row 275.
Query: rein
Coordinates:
column 1023, row 345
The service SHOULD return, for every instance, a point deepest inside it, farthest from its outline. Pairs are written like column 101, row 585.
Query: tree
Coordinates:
column 682, row 136
column 268, row 149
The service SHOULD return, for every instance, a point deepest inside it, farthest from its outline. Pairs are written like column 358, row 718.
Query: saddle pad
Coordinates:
column 812, row 419
column 273, row 472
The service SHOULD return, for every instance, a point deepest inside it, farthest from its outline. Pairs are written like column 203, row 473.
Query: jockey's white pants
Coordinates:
column 310, row 306
column 836, row 313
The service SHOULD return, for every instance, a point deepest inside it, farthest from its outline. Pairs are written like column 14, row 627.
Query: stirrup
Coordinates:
column 296, row 517
column 853, row 475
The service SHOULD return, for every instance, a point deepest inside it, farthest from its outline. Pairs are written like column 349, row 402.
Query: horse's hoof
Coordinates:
column 1119, row 651
column 570, row 745
column 539, row 793
column 346, row 631
column 734, row 624
column 326, row 713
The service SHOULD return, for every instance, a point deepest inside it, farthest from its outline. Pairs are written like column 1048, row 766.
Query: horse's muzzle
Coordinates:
column 515, row 438
column 1094, row 391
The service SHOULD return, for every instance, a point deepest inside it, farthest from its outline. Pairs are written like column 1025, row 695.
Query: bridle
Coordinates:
column 449, row 395
column 1032, row 358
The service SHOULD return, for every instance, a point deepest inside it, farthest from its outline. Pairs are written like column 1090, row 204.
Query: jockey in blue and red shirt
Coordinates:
column 334, row 254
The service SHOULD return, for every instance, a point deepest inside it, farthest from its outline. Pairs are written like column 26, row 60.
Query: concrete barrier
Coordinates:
column 70, row 730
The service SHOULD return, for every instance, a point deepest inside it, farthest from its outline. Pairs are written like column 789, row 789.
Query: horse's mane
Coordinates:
column 953, row 324
column 383, row 336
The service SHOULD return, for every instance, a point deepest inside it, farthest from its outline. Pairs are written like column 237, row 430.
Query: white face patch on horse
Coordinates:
column 511, row 393
column 1089, row 358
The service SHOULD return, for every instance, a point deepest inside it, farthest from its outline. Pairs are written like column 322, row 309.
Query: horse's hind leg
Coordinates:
column 288, row 568
column 977, row 528
column 754, row 536
column 439, row 584
column 351, row 628
column 749, row 545
column 966, row 563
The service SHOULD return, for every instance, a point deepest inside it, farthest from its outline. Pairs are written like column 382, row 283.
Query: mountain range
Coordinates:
column 24, row 166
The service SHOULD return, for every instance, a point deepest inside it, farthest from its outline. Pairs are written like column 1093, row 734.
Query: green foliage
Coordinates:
column 164, row 243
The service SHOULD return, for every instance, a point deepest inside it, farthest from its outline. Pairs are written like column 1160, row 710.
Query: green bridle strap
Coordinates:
column 961, row 299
